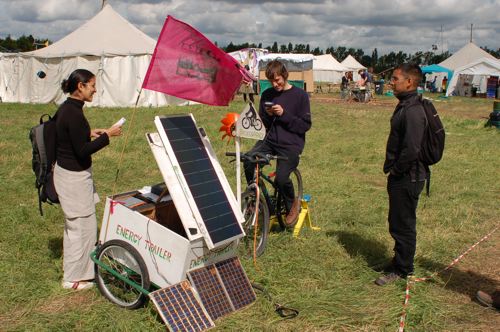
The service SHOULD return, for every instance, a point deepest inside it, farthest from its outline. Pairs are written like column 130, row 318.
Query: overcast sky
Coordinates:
column 392, row 25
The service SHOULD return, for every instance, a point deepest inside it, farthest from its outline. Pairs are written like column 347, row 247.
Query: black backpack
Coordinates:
column 432, row 148
column 43, row 141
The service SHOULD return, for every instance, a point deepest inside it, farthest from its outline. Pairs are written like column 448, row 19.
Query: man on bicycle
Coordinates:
column 286, row 122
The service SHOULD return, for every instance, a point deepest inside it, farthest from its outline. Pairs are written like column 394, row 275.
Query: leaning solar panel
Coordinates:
column 180, row 309
column 236, row 282
column 208, row 193
column 212, row 293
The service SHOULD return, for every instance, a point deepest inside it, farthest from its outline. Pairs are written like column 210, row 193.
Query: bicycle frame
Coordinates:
column 270, row 200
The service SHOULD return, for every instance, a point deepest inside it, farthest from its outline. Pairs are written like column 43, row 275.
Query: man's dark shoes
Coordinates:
column 387, row 279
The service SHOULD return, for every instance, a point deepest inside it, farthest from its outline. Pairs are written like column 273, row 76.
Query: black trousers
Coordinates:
column 283, row 169
column 403, row 201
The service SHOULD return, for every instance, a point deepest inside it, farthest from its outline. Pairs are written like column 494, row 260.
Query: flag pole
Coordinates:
column 238, row 168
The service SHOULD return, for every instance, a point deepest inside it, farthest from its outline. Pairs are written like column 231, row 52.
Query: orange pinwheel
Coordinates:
column 229, row 125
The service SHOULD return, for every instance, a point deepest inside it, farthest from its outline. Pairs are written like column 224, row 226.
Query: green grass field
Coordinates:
column 327, row 275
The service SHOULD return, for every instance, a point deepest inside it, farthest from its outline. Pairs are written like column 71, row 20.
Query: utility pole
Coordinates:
column 442, row 39
column 471, row 32
column 103, row 4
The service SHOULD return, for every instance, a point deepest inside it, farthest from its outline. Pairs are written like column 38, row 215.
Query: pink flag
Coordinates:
column 187, row 65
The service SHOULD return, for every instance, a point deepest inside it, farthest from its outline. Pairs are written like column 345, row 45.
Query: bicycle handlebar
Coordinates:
column 257, row 157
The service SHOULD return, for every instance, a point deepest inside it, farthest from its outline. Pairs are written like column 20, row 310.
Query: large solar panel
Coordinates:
column 236, row 282
column 180, row 309
column 203, row 182
column 211, row 291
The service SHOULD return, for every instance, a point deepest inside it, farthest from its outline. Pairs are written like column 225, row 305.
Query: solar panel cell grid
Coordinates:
column 201, row 177
column 236, row 282
column 180, row 309
column 210, row 289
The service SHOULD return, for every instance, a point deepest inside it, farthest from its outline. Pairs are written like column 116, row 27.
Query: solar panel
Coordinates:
column 211, row 201
column 180, row 309
column 236, row 282
column 223, row 287
column 211, row 290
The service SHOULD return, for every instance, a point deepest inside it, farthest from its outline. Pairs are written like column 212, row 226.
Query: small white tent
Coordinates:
column 327, row 69
column 476, row 71
column 108, row 45
column 352, row 65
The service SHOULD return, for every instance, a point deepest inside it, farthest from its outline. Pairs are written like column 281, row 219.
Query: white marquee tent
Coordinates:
column 467, row 54
column 327, row 69
column 107, row 45
column 473, row 61
column 481, row 69
column 353, row 65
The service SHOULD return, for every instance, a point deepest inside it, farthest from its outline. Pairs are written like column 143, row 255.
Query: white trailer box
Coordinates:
column 192, row 220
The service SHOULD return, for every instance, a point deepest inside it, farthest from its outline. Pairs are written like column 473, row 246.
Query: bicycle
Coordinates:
column 271, row 203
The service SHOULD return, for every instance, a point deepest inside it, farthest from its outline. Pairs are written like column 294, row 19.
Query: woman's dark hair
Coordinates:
column 77, row 76
column 276, row 68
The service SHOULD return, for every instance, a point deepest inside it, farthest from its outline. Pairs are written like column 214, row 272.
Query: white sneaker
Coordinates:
column 77, row 285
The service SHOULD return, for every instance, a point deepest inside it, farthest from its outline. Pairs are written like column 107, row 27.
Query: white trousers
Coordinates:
column 78, row 198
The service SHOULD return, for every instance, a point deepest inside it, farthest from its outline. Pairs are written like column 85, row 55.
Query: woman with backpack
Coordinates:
column 76, row 142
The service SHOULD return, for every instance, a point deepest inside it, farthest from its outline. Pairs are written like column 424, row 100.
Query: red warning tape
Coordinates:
column 412, row 280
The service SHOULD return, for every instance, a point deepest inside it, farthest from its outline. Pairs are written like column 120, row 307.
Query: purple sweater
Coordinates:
column 289, row 130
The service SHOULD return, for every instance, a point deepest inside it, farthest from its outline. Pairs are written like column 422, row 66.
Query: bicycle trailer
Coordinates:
column 178, row 238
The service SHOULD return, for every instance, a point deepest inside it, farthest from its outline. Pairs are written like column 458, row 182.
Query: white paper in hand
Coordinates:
column 119, row 123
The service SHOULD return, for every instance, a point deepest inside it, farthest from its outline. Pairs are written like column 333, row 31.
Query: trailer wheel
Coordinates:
column 123, row 259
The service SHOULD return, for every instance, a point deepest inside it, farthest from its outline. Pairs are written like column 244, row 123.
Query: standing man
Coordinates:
column 406, row 173
column 286, row 122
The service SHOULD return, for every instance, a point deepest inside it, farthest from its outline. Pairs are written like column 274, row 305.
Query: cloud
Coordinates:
column 392, row 25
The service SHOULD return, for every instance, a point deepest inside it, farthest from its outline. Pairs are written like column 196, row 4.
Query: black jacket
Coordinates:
column 405, row 138
column 74, row 145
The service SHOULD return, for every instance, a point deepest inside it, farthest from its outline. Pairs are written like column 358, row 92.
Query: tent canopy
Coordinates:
column 437, row 69
column 108, row 45
column 327, row 69
column 467, row 54
column 351, row 63
column 481, row 67
column 327, row 62
column 107, row 34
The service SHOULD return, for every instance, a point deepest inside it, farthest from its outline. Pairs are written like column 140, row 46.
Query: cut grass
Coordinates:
column 325, row 274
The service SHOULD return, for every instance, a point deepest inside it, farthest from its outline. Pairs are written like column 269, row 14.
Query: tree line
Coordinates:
column 22, row 44
column 379, row 63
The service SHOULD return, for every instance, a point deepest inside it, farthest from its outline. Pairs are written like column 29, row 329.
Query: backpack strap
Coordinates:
column 40, row 200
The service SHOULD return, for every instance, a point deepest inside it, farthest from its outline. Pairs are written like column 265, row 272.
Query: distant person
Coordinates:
column 363, row 78
column 444, row 83
column 406, row 174
column 369, row 78
column 433, row 84
column 345, row 81
column 76, row 142
column 286, row 122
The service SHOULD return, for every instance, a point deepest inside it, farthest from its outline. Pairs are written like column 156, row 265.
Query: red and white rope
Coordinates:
column 412, row 280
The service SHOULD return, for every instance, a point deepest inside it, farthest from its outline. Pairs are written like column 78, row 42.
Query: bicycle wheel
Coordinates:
column 245, row 123
column 124, row 259
column 257, row 124
column 250, row 225
column 280, row 203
